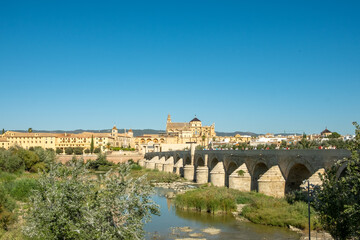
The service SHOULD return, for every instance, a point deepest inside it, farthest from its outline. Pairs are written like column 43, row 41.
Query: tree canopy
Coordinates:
column 338, row 199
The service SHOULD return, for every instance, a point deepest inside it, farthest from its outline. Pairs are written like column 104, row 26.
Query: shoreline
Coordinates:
column 178, row 187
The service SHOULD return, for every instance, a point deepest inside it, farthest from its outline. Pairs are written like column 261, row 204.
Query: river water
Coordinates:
column 179, row 224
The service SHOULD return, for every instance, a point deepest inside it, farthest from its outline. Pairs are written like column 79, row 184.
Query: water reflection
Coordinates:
column 166, row 226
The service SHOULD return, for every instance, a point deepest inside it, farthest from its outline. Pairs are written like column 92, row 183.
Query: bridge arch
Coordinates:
column 213, row 163
column 259, row 169
column 187, row 160
column 295, row 177
column 342, row 171
column 199, row 162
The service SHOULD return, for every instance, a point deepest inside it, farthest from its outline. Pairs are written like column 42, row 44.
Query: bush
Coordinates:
column 69, row 151
column 78, row 150
column 87, row 151
column 30, row 158
column 100, row 161
column 22, row 188
column 82, row 208
column 7, row 205
column 39, row 167
column 10, row 161
column 97, row 150
column 59, row 150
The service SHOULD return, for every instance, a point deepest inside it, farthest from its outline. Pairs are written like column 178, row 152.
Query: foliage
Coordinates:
column 30, row 158
column 152, row 175
column 241, row 172
column 122, row 149
column 100, row 164
column 97, row 150
column 87, row 150
column 92, row 144
column 10, row 161
column 338, row 200
column 30, row 130
column 334, row 135
column 260, row 208
column 70, row 205
column 59, row 150
column 20, row 189
column 69, row 151
column 78, row 150
column 7, row 206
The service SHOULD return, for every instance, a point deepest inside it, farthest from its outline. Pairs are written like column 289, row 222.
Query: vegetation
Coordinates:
column 70, row 205
column 260, row 208
column 338, row 200
column 122, row 148
column 92, row 144
column 153, row 176
column 97, row 150
column 100, row 164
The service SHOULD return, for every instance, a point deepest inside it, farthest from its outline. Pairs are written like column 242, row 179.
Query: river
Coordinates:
column 179, row 224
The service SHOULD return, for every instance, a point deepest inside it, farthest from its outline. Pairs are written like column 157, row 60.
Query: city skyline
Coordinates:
column 258, row 67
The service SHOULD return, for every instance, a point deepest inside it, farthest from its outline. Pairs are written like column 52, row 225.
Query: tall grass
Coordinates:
column 154, row 176
column 209, row 199
column 260, row 208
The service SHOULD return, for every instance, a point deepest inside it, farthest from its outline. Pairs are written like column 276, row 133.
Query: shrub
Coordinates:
column 21, row 189
column 100, row 161
column 81, row 208
column 30, row 158
column 10, row 161
column 97, row 150
column 87, row 151
column 69, row 151
column 41, row 166
column 59, row 150
column 78, row 150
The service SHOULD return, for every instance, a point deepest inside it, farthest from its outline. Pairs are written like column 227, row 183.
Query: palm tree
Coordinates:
column 30, row 130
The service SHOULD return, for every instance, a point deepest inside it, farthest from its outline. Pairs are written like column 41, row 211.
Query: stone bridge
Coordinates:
column 272, row 172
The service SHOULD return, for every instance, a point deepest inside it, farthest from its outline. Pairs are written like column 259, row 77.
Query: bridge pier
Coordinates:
column 169, row 165
column 151, row 164
column 202, row 174
column 217, row 175
column 315, row 178
column 272, row 183
column 179, row 167
column 159, row 165
column 189, row 171
column 240, row 179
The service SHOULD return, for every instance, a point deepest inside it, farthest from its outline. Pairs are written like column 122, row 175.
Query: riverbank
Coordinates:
column 256, row 207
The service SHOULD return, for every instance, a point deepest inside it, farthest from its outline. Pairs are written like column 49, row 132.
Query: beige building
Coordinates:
column 178, row 136
column 64, row 140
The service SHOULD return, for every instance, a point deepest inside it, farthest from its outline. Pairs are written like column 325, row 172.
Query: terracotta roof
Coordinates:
column 195, row 120
column 26, row 134
column 3, row 139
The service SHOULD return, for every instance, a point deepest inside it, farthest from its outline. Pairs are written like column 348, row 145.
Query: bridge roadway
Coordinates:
column 272, row 172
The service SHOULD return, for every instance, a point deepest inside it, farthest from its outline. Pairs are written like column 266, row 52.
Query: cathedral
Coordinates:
column 192, row 129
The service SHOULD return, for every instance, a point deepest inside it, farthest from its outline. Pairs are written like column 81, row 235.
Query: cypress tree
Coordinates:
column 92, row 144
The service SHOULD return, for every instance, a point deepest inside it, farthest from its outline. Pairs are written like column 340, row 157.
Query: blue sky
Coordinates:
column 260, row 66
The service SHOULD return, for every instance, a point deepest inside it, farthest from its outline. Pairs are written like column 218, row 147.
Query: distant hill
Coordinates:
column 140, row 132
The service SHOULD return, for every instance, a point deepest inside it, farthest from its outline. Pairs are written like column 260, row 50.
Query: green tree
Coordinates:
column 97, row 150
column 92, row 144
column 69, row 150
column 3, row 131
column 338, row 200
column 334, row 135
column 59, row 150
column 71, row 205
column 30, row 130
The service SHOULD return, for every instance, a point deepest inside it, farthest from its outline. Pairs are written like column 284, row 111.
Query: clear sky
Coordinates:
column 260, row 66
